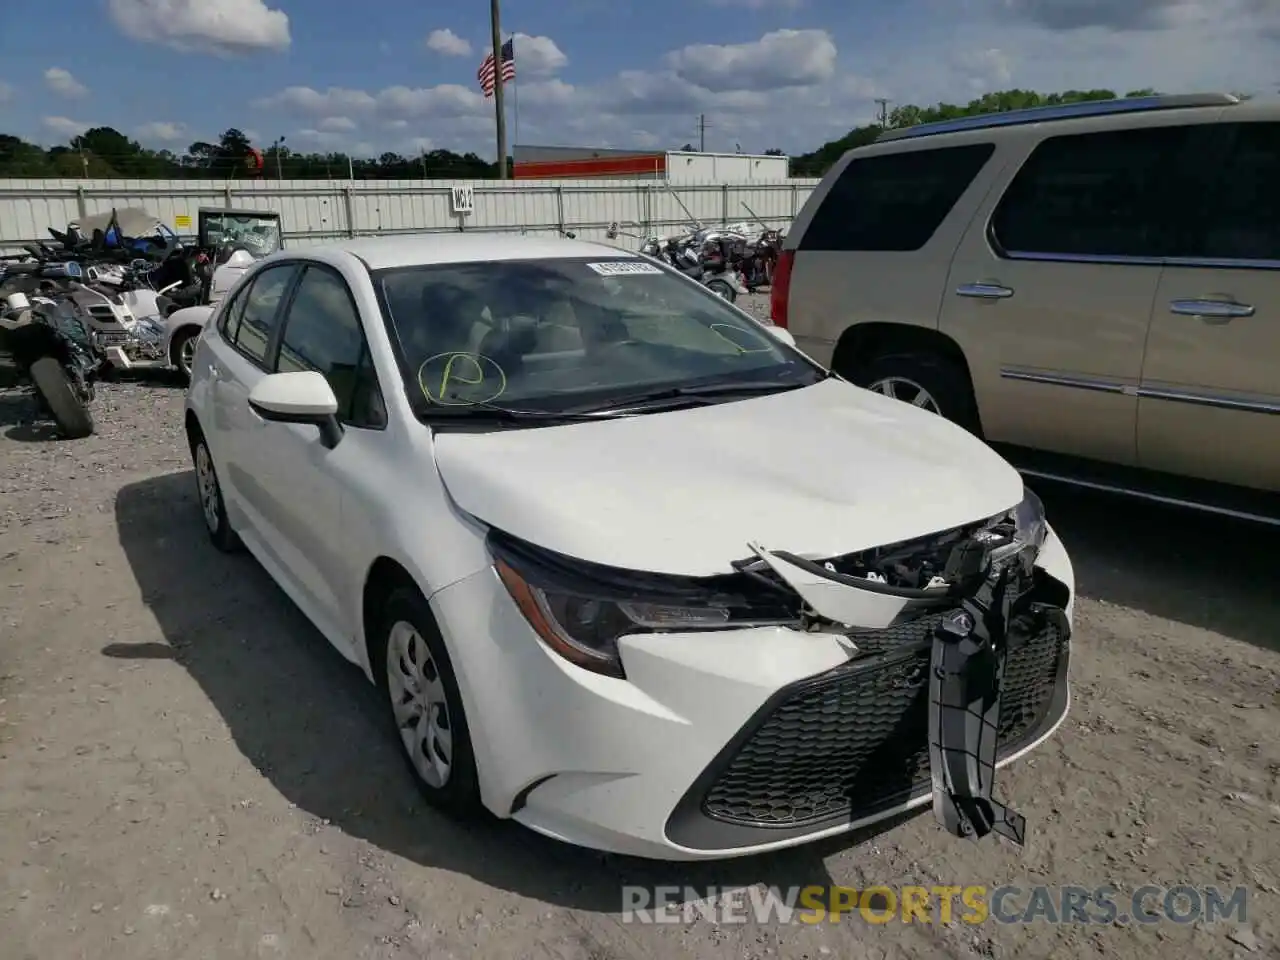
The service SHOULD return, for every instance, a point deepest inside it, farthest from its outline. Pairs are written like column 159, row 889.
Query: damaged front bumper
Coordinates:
column 981, row 617
column 738, row 741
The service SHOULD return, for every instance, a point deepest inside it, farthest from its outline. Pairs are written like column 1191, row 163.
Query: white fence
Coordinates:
column 313, row 211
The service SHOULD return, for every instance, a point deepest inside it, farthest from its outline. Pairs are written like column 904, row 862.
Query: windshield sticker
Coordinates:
column 624, row 268
column 459, row 379
column 733, row 335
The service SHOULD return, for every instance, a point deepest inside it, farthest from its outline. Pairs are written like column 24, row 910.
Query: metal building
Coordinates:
column 565, row 163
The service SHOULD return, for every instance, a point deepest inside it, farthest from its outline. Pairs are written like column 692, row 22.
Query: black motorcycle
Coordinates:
column 49, row 343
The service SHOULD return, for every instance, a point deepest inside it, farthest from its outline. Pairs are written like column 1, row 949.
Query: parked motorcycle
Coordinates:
column 52, row 348
column 147, row 295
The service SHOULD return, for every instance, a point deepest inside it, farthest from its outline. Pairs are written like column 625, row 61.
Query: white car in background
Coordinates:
column 628, row 567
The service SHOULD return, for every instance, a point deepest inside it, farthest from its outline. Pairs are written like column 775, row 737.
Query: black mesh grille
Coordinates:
column 856, row 739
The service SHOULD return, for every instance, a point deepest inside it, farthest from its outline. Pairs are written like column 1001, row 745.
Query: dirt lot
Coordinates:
column 187, row 770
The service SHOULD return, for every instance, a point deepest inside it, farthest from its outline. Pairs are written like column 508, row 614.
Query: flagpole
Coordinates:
column 498, row 98
column 515, row 100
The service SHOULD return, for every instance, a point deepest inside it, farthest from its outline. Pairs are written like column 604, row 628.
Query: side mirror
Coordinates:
column 782, row 333
column 303, row 397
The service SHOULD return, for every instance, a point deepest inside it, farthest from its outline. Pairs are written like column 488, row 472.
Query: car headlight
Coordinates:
column 580, row 611
column 1030, row 526
column 1019, row 533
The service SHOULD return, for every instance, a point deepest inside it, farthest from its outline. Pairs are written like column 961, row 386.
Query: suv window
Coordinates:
column 1094, row 194
column 894, row 202
column 322, row 332
column 256, row 322
column 1241, row 217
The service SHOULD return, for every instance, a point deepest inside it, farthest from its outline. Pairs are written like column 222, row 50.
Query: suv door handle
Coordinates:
column 985, row 291
column 1212, row 311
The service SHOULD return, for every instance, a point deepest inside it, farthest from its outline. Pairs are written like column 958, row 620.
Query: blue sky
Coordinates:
column 374, row 75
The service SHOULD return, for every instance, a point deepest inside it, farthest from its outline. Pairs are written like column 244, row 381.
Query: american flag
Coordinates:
column 486, row 71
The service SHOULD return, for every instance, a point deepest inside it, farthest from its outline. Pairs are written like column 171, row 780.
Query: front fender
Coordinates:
column 186, row 317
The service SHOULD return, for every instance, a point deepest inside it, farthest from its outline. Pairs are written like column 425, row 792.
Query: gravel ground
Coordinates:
column 188, row 771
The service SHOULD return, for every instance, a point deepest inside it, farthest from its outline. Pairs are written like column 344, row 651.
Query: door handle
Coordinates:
column 1212, row 311
column 985, row 291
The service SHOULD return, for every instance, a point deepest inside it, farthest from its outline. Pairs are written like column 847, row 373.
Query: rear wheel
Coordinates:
column 182, row 351
column 60, row 398
column 722, row 289
column 927, row 381
column 212, row 505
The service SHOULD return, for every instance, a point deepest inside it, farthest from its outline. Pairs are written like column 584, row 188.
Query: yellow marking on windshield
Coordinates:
column 719, row 328
column 459, row 371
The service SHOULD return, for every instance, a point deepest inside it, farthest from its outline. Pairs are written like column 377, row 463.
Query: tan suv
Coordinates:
column 1095, row 287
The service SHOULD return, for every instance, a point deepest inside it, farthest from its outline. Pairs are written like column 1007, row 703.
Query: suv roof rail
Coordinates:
column 1062, row 111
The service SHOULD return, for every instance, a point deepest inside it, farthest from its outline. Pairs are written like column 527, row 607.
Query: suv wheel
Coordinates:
column 929, row 382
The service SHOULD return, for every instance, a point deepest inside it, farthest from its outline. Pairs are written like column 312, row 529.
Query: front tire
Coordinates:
column 414, row 672
column 60, row 398
column 212, row 505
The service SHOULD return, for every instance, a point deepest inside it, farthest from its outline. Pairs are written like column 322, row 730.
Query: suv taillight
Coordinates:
column 780, row 287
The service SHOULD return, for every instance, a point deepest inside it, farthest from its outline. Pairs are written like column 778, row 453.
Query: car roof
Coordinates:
column 421, row 249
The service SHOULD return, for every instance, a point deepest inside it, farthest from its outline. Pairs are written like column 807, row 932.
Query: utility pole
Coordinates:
column 500, row 115
column 702, row 132
column 884, row 111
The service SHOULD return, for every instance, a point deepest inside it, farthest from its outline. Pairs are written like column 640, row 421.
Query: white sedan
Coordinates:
column 627, row 566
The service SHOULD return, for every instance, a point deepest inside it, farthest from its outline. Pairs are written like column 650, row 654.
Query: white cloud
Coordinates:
column 6, row 92
column 793, row 89
column 448, row 43
column 61, row 82
column 337, row 124
column 318, row 137
column 783, row 58
column 214, row 26
column 161, row 131
column 537, row 55
column 66, row 127
column 985, row 70
column 391, row 103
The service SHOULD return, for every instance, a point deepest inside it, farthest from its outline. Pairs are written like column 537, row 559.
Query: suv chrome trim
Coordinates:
column 1122, row 261
column 1148, row 496
column 1059, row 380
column 1210, row 400
column 1173, row 395
column 1064, row 111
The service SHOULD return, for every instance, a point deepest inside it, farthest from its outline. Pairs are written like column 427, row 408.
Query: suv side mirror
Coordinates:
column 300, row 397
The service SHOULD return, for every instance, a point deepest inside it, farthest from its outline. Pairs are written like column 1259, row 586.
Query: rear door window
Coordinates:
column 1111, row 194
column 894, row 202
column 261, row 311
column 1239, row 219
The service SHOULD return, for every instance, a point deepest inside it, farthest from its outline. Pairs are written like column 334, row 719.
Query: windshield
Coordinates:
column 561, row 334
column 260, row 236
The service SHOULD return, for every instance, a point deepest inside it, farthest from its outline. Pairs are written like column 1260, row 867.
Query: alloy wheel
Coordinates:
column 908, row 391
column 187, row 355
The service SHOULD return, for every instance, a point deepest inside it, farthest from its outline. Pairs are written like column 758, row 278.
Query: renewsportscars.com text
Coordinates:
column 972, row 904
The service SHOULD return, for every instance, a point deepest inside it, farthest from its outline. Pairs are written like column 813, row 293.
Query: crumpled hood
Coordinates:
column 819, row 472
